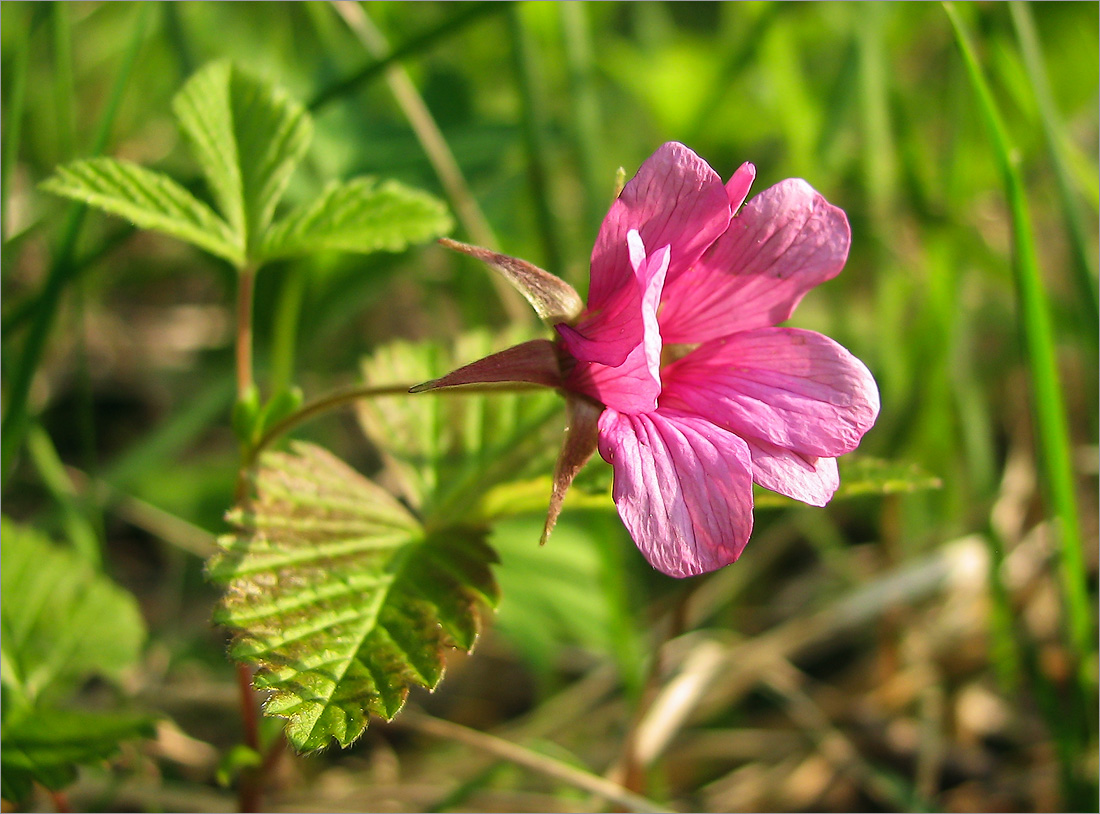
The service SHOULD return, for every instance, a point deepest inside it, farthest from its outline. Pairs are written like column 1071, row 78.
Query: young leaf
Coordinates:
column 62, row 621
column 358, row 216
column 248, row 137
column 445, row 452
column 149, row 200
column 46, row 745
column 341, row 598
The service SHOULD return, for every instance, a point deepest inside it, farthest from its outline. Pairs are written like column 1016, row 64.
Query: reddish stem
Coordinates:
column 60, row 801
column 249, row 785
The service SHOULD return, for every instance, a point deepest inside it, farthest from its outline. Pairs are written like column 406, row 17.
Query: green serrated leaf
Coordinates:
column 359, row 216
column 147, row 199
column 248, row 137
column 341, row 598
column 62, row 621
column 446, row 451
column 47, row 745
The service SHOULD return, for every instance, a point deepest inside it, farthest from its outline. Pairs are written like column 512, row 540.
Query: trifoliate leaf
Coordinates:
column 62, row 621
column 444, row 451
column 46, row 745
column 358, row 216
column 248, row 137
column 147, row 199
column 340, row 598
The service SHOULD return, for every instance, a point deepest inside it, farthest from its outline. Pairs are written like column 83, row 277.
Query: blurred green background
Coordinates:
column 895, row 652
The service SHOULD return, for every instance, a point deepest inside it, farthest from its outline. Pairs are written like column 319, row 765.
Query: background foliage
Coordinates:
column 891, row 652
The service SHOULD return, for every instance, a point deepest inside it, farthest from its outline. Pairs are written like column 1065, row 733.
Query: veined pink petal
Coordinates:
column 621, row 326
column 795, row 389
column 675, row 200
column 784, row 242
column 634, row 385
column 811, row 480
column 682, row 487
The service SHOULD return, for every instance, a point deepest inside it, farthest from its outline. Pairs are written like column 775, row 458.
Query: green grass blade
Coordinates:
column 447, row 28
column 13, row 124
column 174, row 435
column 879, row 146
column 586, row 106
column 14, row 424
column 533, row 104
column 1083, row 267
column 79, row 529
column 63, row 88
column 1038, row 337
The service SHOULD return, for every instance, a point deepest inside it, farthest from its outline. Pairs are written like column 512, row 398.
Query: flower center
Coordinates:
column 671, row 353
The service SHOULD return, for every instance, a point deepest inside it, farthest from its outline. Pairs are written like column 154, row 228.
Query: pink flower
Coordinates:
column 674, row 370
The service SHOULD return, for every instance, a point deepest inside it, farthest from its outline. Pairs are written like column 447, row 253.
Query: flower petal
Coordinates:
column 795, row 389
column 737, row 187
column 633, row 385
column 675, row 200
column 534, row 362
column 811, row 480
column 608, row 336
column 784, row 242
column 682, row 487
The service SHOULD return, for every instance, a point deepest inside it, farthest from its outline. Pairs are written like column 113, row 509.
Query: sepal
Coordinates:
column 553, row 299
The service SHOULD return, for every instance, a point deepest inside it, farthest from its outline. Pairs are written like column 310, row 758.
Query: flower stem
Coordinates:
column 347, row 395
column 60, row 801
column 322, row 405
column 250, row 783
column 245, row 285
